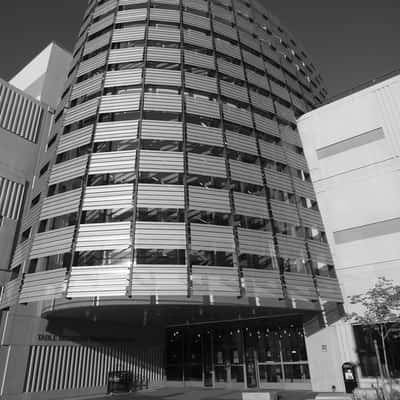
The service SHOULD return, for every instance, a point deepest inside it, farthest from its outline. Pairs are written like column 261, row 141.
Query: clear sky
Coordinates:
column 350, row 41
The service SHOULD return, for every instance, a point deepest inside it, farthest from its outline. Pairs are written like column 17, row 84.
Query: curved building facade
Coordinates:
column 179, row 198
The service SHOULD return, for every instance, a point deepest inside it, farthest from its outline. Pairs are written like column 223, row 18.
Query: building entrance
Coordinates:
column 252, row 353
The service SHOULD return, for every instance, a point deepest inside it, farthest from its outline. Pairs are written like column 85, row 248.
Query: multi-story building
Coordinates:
column 24, row 125
column 352, row 147
column 179, row 236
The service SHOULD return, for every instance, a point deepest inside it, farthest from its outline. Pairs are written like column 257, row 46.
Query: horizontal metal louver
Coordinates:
column 278, row 180
column 234, row 91
column 202, row 83
column 262, row 283
column 58, row 241
column 227, row 48
column 129, row 54
column 123, row 78
column 160, row 196
column 11, row 198
column 108, row 197
column 162, row 161
column 128, row 34
column 233, row 70
column 269, row 52
column 277, row 73
column 248, row 40
column 320, row 252
column 329, row 289
column 280, row 91
column 299, row 103
column 164, row 55
column 105, row 8
column 97, row 43
column 163, row 15
column 256, row 242
column 162, row 130
column 99, row 281
column 68, row 170
column 284, row 212
column 238, row 115
column 212, row 237
column 206, row 165
column 215, row 281
column 10, row 294
column 253, row 60
column 250, row 205
column 159, row 280
column 311, row 218
column 89, row 86
column 199, row 60
column 245, row 172
column 197, row 38
column 120, row 103
column 61, row 204
column 202, row 107
column 241, row 143
column 120, row 130
column 160, row 235
column 285, row 112
column 164, row 34
column 296, row 160
column 300, row 286
column 266, row 125
column 19, row 114
column 205, row 135
column 92, row 64
column 292, row 83
column 108, row 236
column 200, row 5
column 102, row 24
column 222, row 12
column 225, row 30
column 196, row 20
column 206, row 199
column 81, row 111
column 304, row 189
column 272, row 151
column 262, row 102
column 290, row 247
column 162, row 102
column 31, row 217
column 257, row 79
column 20, row 253
column 135, row 15
column 47, row 285
column 163, row 77
column 111, row 162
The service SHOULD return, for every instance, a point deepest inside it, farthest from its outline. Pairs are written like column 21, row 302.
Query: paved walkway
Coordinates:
column 197, row 394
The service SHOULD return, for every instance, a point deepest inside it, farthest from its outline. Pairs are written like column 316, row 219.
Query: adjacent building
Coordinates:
column 352, row 146
column 176, row 233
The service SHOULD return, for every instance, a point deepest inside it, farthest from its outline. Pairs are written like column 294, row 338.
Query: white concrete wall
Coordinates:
column 43, row 77
column 356, row 187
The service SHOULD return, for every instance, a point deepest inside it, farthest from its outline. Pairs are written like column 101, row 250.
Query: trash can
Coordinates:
column 119, row 381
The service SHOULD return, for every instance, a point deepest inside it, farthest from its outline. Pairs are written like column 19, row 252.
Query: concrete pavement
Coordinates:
column 197, row 394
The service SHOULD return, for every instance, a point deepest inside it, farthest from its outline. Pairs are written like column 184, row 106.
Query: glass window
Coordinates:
column 102, row 257
column 214, row 258
column 161, row 214
column 257, row 262
column 160, row 256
